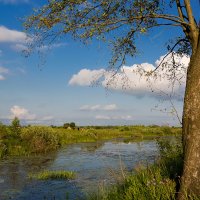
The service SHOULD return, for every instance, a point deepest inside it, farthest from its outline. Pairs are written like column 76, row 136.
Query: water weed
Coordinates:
column 44, row 175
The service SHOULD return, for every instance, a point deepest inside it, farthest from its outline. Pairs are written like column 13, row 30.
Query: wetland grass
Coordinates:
column 45, row 175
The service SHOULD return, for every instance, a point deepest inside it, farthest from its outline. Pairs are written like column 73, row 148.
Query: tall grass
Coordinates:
column 44, row 175
column 146, row 184
column 42, row 139
column 156, row 182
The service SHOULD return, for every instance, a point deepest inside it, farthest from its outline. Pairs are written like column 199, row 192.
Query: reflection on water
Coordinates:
column 94, row 163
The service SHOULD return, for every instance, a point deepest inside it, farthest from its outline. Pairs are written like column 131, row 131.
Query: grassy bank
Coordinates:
column 156, row 182
column 17, row 140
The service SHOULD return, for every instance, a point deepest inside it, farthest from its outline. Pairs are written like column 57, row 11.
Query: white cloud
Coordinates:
column 24, row 114
column 19, row 47
column 109, row 107
column 14, row 1
column 47, row 118
column 134, row 80
column 108, row 117
column 2, row 77
column 103, row 117
column 13, row 36
column 86, row 77
column 3, row 72
column 21, row 113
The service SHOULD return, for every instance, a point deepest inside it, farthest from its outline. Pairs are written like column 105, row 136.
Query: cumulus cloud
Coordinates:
column 13, row 36
column 86, row 77
column 14, row 1
column 21, row 113
column 47, row 118
column 19, row 47
column 3, row 72
column 24, row 114
column 135, row 79
column 107, row 117
column 98, row 107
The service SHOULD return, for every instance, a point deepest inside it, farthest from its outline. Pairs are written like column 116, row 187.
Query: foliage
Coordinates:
column 69, row 125
column 124, row 20
column 3, row 150
column 40, row 139
column 146, row 184
column 53, row 175
column 3, row 131
column 16, row 127
column 171, row 153
column 100, row 19
column 159, row 181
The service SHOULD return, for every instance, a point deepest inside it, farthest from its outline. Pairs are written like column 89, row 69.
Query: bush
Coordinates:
column 146, row 184
column 16, row 127
column 3, row 150
column 40, row 138
column 171, row 156
column 3, row 131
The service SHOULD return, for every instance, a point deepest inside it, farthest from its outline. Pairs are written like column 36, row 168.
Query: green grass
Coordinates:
column 42, row 139
column 159, row 181
column 146, row 184
column 44, row 175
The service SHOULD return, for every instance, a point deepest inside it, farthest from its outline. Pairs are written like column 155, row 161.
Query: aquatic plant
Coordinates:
column 44, row 175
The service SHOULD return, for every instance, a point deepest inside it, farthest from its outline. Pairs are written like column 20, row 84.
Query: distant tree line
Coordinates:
column 71, row 125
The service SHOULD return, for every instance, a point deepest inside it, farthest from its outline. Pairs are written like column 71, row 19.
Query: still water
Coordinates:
column 95, row 164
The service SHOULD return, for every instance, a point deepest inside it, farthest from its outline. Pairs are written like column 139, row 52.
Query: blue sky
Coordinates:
column 60, row 90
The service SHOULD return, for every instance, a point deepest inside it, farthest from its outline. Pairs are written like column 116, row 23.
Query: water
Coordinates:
column 96, row 164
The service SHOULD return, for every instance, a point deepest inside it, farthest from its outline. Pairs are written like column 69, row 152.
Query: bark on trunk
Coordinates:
column 190, row 181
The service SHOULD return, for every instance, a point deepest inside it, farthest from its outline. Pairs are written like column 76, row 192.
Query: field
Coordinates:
column 18, row 140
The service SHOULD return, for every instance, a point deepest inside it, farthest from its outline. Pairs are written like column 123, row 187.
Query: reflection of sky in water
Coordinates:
column 94, row 163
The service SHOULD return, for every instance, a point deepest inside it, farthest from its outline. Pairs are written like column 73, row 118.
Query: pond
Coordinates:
column 100, row 163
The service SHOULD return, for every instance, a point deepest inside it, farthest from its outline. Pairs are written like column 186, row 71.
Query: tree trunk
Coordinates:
column 190, row 181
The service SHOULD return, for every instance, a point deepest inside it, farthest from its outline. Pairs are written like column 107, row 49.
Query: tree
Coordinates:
column 16, row 127
column 71, row 125
column 66, row 125
column 98, row 18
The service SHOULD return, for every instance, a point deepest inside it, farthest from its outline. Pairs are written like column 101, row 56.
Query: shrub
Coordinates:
column 171, row 156
column 146, row 184
column 15, row 127
column 40, row 138
column 3, row 150
column 3, row 131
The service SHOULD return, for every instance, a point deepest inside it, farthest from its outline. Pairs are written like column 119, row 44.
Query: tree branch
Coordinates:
column 194, row 32
column 172, row 49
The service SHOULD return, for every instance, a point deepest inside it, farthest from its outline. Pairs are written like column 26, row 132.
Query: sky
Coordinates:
column 71, row 83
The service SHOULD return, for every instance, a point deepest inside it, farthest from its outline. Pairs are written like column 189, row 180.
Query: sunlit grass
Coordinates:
column 44, row 175
column 145, row 184
column 158, row 181
column 42, row 139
